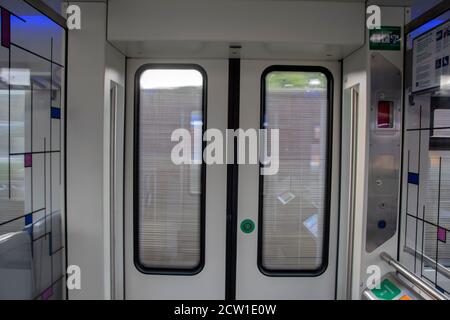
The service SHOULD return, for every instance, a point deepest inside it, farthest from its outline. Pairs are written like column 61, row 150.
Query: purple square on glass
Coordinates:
column 5, row 28
column 28, row 160
column 47, row 294
column 442, row 235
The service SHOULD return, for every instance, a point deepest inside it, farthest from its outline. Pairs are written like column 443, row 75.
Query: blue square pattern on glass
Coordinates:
column 413, row 178
column 28, row 219
column 56, row 113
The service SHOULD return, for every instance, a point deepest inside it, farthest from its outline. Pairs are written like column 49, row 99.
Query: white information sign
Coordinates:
column 431, row 53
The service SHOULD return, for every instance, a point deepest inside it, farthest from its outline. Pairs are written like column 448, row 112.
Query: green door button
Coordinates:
column 247, row 226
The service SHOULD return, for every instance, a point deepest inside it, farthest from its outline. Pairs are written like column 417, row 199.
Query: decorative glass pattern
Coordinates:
column 32, row 74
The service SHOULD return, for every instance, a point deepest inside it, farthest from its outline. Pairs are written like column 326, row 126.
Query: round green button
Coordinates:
column 247, row 226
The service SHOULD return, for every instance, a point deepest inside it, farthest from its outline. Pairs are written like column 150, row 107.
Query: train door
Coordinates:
column 287, row 245
column 175, row 214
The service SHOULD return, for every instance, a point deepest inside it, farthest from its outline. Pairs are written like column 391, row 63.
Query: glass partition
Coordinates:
column 32, row 73
column 425, row 247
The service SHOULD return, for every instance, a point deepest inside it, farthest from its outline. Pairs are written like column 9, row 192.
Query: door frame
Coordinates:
column 113, row 189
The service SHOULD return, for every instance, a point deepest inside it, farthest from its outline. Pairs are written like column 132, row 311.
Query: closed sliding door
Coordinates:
column 291, row 254
column 175, row 218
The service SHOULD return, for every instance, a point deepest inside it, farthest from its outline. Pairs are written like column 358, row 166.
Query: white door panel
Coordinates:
column 209, row 283
column 251, row 283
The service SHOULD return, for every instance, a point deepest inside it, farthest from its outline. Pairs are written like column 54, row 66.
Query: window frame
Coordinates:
column 136, row 209
column 328, row 171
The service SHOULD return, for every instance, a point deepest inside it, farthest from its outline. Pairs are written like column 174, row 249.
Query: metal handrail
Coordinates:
column 411, row 277
column 368, row 296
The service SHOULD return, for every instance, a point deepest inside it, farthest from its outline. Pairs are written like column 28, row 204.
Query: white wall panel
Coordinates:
column 86, row 63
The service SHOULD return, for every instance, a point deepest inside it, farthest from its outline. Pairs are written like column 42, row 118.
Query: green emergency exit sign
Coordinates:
column 386, row 291
column 385, row 38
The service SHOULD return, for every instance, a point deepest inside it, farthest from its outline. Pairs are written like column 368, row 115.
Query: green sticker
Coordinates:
column 385, row 38
column 247, row 226
column 387, row 290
